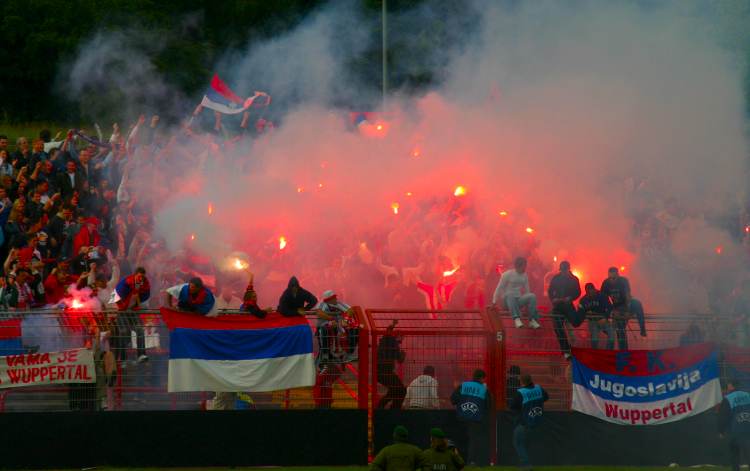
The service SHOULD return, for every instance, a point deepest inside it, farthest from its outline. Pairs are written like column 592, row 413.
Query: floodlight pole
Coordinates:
column 385, row 51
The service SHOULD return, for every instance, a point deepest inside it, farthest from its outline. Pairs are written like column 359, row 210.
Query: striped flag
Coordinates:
column 219, row 97
column 238, row 353
column 10, row 337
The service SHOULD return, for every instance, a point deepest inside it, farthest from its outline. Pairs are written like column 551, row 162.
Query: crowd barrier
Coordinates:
column 454, row 343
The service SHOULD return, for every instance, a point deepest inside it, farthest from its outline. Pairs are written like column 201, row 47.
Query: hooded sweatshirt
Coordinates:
column 289, row 304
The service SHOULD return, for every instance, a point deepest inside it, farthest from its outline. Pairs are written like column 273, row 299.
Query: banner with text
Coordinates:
column 38, row 369
column 646, row 387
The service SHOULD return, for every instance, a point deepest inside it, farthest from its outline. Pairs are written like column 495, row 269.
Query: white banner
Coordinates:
column 37, row 369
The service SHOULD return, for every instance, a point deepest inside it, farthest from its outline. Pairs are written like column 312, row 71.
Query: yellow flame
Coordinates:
column 76, row 304
column 622, row 267
column 554, row 259
column 450, row 272
column 320, row 185
column 210, row 209
column 239, row 264
column 300, row 189
column 530, row 230
column 459, row 191
column 503, row 214
column 409, row 193
column 577, row 274
column 282, row 243
column 394, row 207
column 416, row 153
column 192, row 236
column 379, row 127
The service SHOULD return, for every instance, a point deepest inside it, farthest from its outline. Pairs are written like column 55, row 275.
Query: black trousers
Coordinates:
column 127, row 321
column 562, row 312
column 396, row 390
column 477, row 450
column 736, row 447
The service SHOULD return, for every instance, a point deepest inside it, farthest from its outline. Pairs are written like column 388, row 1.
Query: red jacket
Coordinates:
column 85, row 239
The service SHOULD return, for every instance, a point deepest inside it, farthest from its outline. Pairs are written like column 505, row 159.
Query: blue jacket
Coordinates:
column 472, row 401
column 529, row 401
column 734, row 414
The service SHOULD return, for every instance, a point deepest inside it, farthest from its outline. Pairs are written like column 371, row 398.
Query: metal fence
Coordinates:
column 370, row 367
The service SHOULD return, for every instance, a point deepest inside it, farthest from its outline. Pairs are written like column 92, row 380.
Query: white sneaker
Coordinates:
column 534, row 324
column 142, row 358
column 518, row 322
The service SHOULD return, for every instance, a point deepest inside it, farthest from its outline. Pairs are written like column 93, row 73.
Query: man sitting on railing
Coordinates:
column 563, row 290
column 597, row 308
column 512, row 282
column 624, row 306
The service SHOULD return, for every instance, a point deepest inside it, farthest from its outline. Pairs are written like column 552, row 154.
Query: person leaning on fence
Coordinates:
column 295, row 300
column 734, row 422
column 439, row 457
column 528, row 403
column 509, row 291
column 401, row 456
column 596, row 308
column 337, row 317
column 192, row 297
column 422, row 393
column 624, row 306
column 564, row 288
column 389, row 353
column 473, row 404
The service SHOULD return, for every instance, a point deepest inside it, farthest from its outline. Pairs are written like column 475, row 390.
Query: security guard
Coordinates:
column 401, row 456
column 439, row 457
column 473, row 403
column 734, row 422
column 529, row 404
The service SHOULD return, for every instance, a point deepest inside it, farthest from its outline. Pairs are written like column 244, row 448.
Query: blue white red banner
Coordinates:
column 646, row 387
column 238, row 353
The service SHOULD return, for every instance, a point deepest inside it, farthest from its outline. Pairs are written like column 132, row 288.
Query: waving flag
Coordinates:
column 219, row 97
column 238, row 353
column 646, row 387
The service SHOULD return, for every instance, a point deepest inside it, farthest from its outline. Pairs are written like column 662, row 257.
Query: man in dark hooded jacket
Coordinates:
column 295, row 300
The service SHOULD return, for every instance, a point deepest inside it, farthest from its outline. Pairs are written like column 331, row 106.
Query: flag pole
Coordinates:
column 385, row 52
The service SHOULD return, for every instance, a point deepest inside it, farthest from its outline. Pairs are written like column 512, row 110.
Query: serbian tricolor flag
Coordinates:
column 646, row 387
column 10, row 337
column 238, row 353
column 219, row 97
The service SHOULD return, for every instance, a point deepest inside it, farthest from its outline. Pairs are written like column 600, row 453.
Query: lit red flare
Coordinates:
column 503, row 214
column 394, row 207
column 416, row 153
column 529, row 230
column 450, row 272
column 459, row 191
column 747, row 229
column 210, row 209
column 192, row 236
column 622, row 268
column 76, row 304
column 719, row 249
column 282, row 243
column 239, row 264
column 300, row 189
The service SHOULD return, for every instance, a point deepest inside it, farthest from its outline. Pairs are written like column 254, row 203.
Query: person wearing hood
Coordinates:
column 295, row 300
column 401, row 456
column 439, row 456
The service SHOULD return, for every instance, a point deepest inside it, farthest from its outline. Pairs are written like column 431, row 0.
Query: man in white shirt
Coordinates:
column 513, row 289
column 422, row 393
column 227, row 301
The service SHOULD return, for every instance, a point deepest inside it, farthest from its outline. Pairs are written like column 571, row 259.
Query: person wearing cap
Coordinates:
column 192, row 297
column 340, row 318
column 564, row 288
column 295, row 300
column 528, row 404
column 250, row 301
column 439, row 457
column 401, row 456
column 473, row 404
column 734, row 422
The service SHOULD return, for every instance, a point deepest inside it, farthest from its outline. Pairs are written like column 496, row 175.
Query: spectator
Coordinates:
column 20, row 294
column 422, row 393
column 3, row 142
column 339, row 317
column 389, row 353
column 473, row 405
column 192, row 297
column 509, row 290
column 71, row 181
column 129, row 295
column 624, row 306
column 734, row 423
column 692, row 336
column 250, row 301
column 6, row 167
column 564, row 288
column 296, row 300
column 439, row 457
column 87, row 236
column 596, row 307
column 528, row 403
column 401, row 456
column 21, row 156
